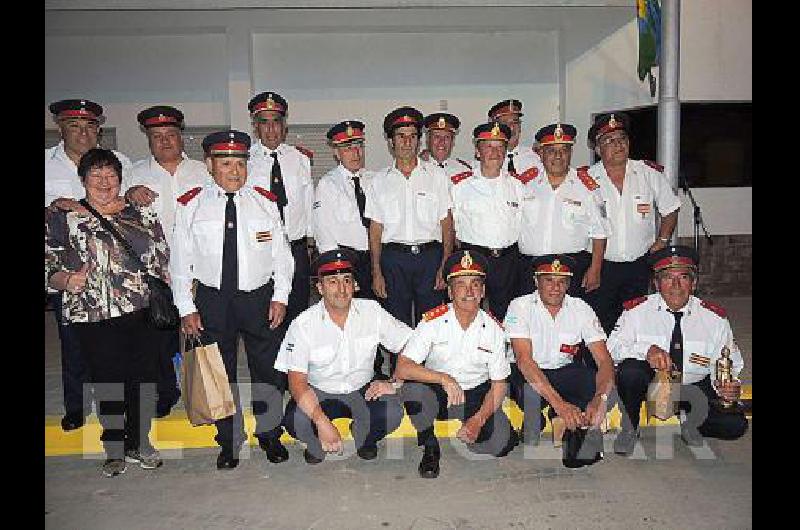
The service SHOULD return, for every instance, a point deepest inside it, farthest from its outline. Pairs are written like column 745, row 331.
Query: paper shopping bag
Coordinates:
column 206, row 391
column 660, row 402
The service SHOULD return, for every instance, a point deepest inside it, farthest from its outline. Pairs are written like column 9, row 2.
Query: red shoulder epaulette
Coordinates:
column 633, row 302
column 266, row 193
column 657, row 167
column 306, row 151
column 495, row 319
column 528, row 175
column 460, row 176
column 463, row 163
column 714, row 308
column 586, row 178
column 189, row 195
column 436, row 312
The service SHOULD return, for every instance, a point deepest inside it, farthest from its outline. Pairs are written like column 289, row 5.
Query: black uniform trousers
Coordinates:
column 501, row 277
column 410, row 280
column 74, row 369
column 621, row 281
column 526, row 285
column 123, row 368
column 426, row 402
column 372, row 420
column 362, row 272
column 168, row 344
column 224, row 319
column 574, row 382
column 634, row 376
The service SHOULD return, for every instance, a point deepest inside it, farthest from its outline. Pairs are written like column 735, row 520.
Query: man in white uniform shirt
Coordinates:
column 229, row 242
column 676, row 331
column 523, row 161
column 340, row 200
column 285, row 171
column 440, row 136
column 561, row 214
column 487, row 213
column 328, row 354
column 78, row 122
column 546, row 329
column 159, row 180
column 632, row 191
column 465, row 368
column 411, row 229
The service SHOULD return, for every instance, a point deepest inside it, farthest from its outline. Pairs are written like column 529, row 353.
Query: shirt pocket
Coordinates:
column 207, row 238
column 573, row 213
column 321, row 361
column 643, row 209
column 427, row 208
column 696, row 358
column 259, row 234
column 529, row 208
column 568, row 345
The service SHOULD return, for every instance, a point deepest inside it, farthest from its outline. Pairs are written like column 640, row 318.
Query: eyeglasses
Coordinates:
column 608, row 140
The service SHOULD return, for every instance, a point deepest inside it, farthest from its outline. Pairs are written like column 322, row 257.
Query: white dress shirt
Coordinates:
column 339, row 361
column 631, row 216
column 410, row 209
column 262, row 249
column 296, row 175
column 704, row 332
column 336, row 218
column 487, row 211
column 559, row 221
column 554, row 341
column 470, row 356
column 61, row 178
column 189, row 174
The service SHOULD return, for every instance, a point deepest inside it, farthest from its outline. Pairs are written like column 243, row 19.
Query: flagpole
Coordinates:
column 669, row 106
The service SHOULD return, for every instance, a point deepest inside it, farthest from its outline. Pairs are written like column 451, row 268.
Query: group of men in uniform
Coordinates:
column 555, row 250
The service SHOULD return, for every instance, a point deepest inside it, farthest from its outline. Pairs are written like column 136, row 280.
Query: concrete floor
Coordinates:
column 664, row 485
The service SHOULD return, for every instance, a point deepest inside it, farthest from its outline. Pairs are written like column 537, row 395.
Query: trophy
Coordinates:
column 724, row 374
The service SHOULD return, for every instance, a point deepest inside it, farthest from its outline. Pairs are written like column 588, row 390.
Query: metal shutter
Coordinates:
column 313, row 137
column 193, row 139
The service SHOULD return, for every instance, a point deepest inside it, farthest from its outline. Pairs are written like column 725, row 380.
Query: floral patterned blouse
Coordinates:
column 115, row 286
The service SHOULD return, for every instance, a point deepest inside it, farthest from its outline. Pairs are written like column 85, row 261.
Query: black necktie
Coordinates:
column 676, row 344
column 361, row 200
column 230, row 270
column 441, row 165
column 276, row 184
column 511, row 168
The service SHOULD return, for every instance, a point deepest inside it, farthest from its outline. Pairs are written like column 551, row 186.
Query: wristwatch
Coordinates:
column 664, row 239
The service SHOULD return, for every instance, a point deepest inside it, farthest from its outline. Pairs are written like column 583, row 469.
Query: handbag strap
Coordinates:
column 110, row 227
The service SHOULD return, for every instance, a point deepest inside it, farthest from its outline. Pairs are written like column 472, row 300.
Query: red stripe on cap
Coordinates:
column 679, row 261
column 77, row 113
column 404, row 119
column 228, row 146
column 160, row 119
column 337, row 265
column 487, row 135
column 551, row 138
column 342, row 136
column 268, row 105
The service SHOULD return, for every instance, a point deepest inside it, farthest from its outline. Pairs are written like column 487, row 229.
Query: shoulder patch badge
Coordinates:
column 458, row 177
column 633, row 302
column 266, row 193
column 714, row 308
column 436, row 312
column 306, row 151
column 189, row 195
column 528, row 175
column 654, row 165
column 586, row 179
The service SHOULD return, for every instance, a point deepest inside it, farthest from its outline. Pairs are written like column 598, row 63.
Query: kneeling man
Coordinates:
column 465, row 369
column 328, row 354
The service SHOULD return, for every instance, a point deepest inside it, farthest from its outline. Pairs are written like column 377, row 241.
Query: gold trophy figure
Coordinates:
column 724, row 374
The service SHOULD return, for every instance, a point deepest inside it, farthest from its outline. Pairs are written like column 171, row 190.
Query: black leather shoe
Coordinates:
column 226, row 460
column 276, row 452
column 311, row 459
column 367, row 453
column 429, row 466
column 72, row 421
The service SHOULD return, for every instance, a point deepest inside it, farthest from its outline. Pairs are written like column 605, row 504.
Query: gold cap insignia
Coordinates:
column 270, row 101
column 442, row 123
column 556, row 266
column 496, row 130
column 559, row 132
column 612, row 121
column 466, row 260
column 349, row 130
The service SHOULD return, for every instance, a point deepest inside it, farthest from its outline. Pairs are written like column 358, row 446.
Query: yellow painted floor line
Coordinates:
column 175, row 431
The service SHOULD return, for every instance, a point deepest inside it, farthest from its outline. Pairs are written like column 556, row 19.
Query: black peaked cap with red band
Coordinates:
column 673, row 256
column 227, row 143
column 268, row 101
column 336, row 261
column 465, row 263
column 160, row 116
column 606, row 123
column 346, row 132
column 76, row 108
column 556, row 133
column 402, row 117
column 558, row 264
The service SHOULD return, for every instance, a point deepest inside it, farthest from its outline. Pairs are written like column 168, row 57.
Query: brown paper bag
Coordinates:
column 205, row 388
column 659, row 396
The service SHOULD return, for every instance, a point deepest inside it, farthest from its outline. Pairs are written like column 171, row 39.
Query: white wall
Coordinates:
column 716, row 55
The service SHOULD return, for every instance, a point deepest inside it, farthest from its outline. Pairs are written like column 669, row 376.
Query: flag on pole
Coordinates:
column 648, row 16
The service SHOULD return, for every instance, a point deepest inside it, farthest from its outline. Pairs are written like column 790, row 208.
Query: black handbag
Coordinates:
column 162, row 311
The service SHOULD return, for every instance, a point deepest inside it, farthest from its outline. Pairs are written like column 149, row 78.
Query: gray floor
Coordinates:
column 665, row 485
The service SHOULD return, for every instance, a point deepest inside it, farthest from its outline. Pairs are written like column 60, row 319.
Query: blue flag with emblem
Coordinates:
column 648, row 17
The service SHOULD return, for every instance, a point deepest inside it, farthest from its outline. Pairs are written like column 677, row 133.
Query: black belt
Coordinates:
column 412, row 249
column 490, row 252
column 351, row 249
column 296, row 242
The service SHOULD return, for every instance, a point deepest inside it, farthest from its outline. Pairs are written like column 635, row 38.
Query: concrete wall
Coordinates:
column 716, row 65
